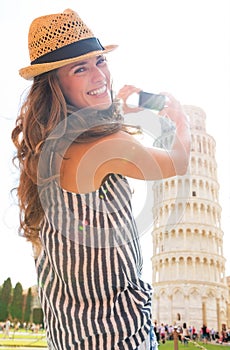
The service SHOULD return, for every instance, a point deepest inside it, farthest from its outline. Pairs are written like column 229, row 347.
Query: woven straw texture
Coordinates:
column 52, row 32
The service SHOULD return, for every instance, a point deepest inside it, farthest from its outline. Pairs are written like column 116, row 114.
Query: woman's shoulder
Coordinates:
column 77, row 149
column 81, row 168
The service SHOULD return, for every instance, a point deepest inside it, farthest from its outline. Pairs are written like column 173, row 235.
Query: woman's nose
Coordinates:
column 97, row 74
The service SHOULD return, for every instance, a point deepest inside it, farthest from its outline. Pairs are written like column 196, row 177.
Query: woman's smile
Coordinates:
column 98, row 91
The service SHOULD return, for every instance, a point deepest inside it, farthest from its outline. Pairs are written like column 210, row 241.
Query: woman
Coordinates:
column 185, row 334
column 74, row 153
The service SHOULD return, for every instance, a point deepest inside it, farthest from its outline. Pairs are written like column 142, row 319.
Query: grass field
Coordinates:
column 169, row 345
column 22, row 340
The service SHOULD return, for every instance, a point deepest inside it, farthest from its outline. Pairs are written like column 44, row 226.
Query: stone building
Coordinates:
column 188, row 264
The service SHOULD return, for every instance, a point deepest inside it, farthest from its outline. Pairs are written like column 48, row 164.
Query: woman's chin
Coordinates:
column 103, row 105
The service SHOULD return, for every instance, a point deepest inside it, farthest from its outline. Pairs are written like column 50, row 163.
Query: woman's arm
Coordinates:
column 121, row 153
column 173, row 111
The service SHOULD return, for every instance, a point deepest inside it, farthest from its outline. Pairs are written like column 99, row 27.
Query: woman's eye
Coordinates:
column 102, row 60
column 79, row 70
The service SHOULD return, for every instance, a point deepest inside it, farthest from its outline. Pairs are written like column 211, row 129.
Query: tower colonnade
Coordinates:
column 188, row 264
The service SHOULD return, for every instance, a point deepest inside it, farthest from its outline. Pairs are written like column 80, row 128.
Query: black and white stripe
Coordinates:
column 89, row 270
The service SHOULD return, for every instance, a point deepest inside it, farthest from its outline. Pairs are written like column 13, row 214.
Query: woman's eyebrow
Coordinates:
column 77, row 64
column 82, row 63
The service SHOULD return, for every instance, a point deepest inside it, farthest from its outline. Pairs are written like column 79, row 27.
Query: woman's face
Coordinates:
column 87, row 83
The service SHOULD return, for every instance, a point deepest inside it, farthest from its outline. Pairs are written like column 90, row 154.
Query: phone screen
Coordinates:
column 151, row 101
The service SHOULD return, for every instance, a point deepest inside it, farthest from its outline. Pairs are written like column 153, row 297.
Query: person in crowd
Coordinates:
column 7, row 326
column 204, row 333
column 162, row 333
column 213, row 334
column 185, row 334
column 156, row 331
column 75, row 153
column 194, row 333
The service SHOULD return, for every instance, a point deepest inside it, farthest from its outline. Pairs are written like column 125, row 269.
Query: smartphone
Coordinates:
column 151, row 101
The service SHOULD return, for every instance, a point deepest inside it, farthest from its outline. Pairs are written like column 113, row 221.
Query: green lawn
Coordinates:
column 169, row 345
column 33, row 340
column 23, row 339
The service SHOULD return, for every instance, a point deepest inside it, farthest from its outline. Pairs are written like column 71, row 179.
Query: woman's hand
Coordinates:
column 124, row 93
column 172, row 109
column 180, row 150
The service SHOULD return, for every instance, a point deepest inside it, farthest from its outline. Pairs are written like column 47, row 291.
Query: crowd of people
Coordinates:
column 163, row 331
column 8, row 326
column 185, row 333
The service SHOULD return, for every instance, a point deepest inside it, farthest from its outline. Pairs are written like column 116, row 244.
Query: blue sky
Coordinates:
column 179, row 46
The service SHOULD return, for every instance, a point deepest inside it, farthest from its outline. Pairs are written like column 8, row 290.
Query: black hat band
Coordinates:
column 76, row 49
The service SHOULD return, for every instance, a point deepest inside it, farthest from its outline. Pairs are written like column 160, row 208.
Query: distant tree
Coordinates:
column 27, row 312
column 17, row 303
column 37, row 316
column 5, row 299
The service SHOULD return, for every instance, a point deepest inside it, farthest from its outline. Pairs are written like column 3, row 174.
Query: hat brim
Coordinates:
column 32, row 71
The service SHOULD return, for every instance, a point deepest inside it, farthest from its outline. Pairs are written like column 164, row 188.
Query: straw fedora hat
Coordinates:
column 59, row 39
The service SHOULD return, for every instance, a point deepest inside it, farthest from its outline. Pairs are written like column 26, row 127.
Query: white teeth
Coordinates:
column 98, row 91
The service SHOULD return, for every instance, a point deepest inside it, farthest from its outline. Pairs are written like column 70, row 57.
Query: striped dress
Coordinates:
column 89, row 270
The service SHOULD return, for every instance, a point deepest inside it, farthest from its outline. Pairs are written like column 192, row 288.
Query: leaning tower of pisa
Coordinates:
column 188, row 264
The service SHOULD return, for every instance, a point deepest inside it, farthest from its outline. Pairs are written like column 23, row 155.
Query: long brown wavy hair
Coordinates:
column 44, row 108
